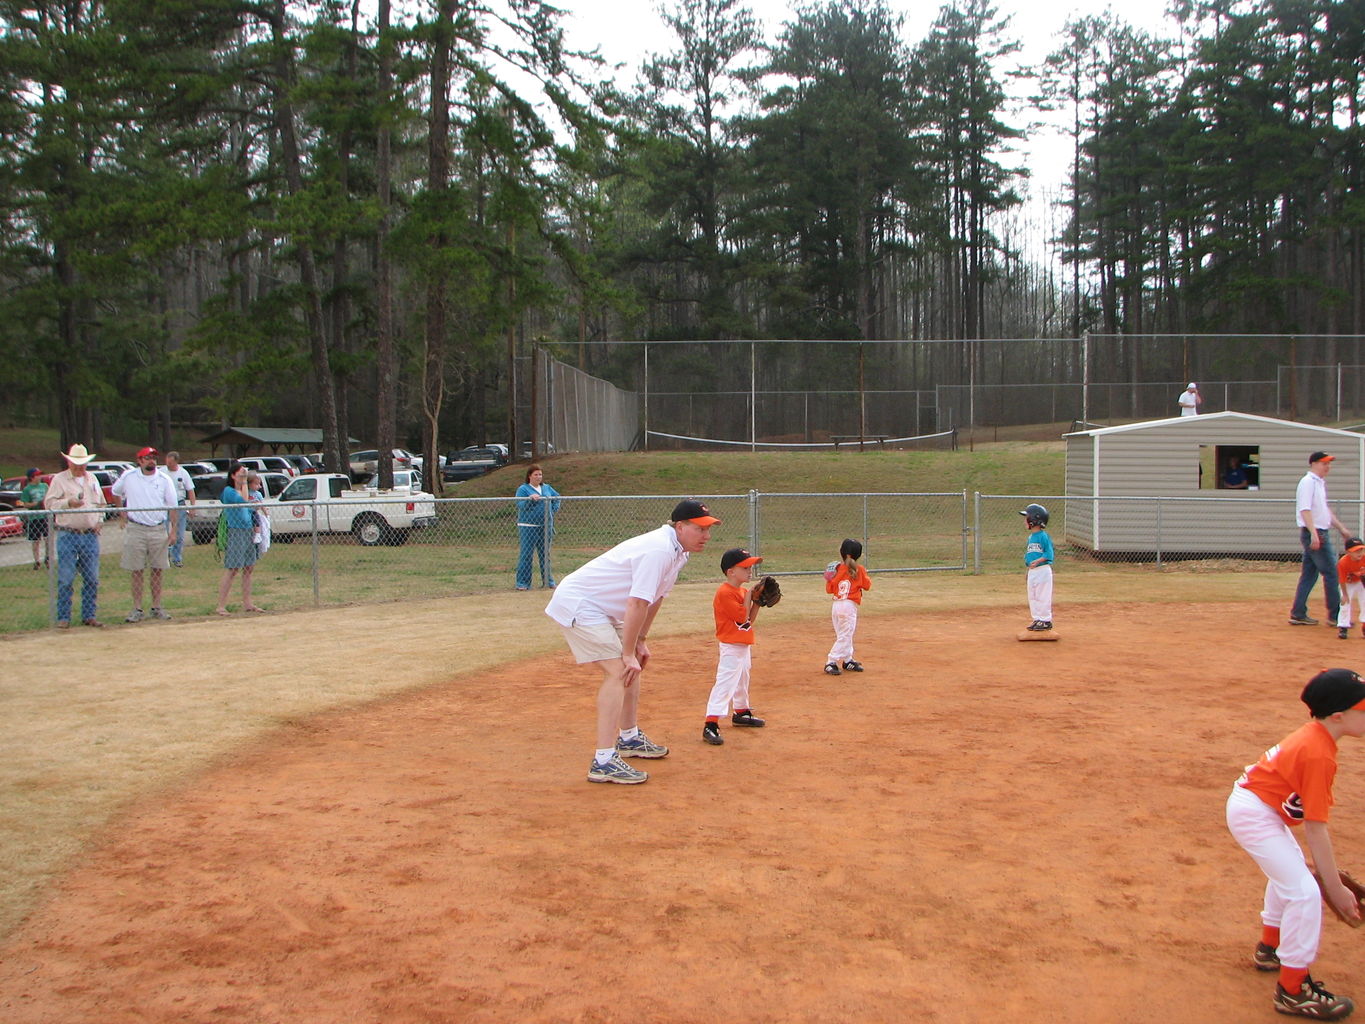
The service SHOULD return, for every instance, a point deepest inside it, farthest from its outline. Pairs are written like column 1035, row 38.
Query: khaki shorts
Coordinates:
column 600, row 642
column 144, row 547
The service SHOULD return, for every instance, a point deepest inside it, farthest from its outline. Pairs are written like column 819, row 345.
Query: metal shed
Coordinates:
column 1189, row 460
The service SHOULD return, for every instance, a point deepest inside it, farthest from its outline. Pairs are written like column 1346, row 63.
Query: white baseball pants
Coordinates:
column 1293, row 902
column 1352, row 592
column 732, row 679
column 844, row 614
column 1040, row 593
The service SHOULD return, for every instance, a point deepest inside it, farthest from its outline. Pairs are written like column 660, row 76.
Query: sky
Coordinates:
column 628, row 32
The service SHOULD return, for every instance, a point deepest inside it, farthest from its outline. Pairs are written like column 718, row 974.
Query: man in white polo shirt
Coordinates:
column 1315, row 519
column 605, row 609
column 149, row 498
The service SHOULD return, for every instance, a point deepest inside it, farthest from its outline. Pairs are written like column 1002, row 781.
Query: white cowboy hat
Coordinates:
column 77, row 456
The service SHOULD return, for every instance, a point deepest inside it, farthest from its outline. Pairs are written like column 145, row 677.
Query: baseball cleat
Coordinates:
column 747, row 718
column 1312, row 1001
column 616, row 770
column 710, row 733
column 831, row 669
column 853, row 666
column 640, row 746
column 1265, row 958
column 1343, row 633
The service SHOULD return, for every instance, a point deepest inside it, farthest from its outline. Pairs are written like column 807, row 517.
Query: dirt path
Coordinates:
column 975, row 829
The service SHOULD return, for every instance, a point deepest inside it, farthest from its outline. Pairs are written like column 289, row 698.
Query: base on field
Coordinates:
column 1042, row 634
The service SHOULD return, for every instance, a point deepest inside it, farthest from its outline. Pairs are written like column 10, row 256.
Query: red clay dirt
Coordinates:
column 974, row 829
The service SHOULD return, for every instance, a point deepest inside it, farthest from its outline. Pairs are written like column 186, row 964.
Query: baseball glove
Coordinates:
column 767, row 592
column 1357, row 890
column 830, row 570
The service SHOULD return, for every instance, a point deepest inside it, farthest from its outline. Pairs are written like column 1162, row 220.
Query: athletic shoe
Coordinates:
column 710, row 733
column 160, row 613
column 853, row 666
column 747, row 718
column 831, row 669
column 640, row 746
column 616, row 770
column 1045, row 625
column 1343, row 633
column 1034, row 626
column 177, row 563
column 1265, row 958
column 93, row 623
column 1302, row 620
column 1312, row 1001
column 134, row 616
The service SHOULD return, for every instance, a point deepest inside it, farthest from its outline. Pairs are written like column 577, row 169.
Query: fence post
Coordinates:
column 1158, row 533
column 976, row 530
column 864, row 520
column 317, row 592
column 754, row 544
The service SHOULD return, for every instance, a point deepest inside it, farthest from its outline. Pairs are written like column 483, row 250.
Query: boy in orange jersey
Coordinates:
column 1350, row 569
column 735, row 613
column 1291, row 785
column 846, row 582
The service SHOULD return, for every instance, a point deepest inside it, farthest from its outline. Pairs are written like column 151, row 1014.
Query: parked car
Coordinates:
column 107, row 479
column 546, row 448
column 329, row 503
column 220, row 465
column 366, row 464
column 470, row 462
column 199, row 468
column 302, row 463
column 10, row 525
column 116, row 466
column 269, row 464
column 208, row 490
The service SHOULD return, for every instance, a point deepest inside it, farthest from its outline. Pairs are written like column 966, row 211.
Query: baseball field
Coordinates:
column 360, row 815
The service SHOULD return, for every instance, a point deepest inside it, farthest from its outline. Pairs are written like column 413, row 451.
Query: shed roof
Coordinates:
column 1194, row 421
column 268, row 437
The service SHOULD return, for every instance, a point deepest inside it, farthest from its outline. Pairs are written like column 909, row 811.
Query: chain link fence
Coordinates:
column 398, row 548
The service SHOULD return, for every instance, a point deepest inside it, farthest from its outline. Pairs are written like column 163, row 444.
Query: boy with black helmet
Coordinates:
column 1038, row 558
column 1289, row 787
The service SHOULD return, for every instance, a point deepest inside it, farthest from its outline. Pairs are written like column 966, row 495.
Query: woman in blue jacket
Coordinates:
column 537, row 503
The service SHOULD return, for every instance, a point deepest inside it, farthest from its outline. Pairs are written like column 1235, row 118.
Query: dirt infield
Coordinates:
column 975, row 829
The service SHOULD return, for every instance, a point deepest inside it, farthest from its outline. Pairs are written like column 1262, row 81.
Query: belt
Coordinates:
column 69, row 529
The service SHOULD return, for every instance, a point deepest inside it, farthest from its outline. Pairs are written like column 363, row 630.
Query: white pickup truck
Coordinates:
column 373, row 516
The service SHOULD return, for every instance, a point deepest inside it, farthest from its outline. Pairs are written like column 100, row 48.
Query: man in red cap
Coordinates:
column 150, row 506
column 1316, row 518
column 605, row 609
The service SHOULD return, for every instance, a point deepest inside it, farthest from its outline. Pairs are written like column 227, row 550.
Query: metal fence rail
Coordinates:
column 472, row 545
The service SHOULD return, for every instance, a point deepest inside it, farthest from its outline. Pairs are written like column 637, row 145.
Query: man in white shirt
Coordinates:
column 1189, row 400
column 1315, row 519
column 149, row 498
column 605, row 609
column 184, row 493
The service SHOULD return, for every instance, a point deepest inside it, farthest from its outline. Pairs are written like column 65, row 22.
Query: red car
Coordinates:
column 10, row 525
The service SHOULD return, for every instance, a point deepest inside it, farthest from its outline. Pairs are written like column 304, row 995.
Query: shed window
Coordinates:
column 1229, row 467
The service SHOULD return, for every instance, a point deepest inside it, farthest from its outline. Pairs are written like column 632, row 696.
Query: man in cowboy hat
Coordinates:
column 76, row 497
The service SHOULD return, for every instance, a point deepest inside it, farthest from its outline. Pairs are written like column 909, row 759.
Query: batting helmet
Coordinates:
column 851, row 548
column 1034, row 515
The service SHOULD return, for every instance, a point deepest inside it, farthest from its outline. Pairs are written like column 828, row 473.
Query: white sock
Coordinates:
column 605, row 755
column 630, row 734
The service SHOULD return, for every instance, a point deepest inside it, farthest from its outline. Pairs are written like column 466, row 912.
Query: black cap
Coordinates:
column 737, row 556
column 691, row 510
column 851, row 548
column 1320, row 457
column 1354, row 542
column 1333, row 690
